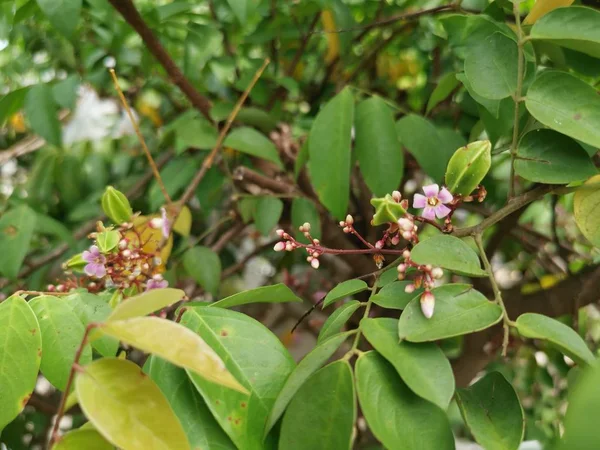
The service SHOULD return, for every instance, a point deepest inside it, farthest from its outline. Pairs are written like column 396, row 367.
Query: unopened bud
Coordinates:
column 406, row 254
column 437, row 273
column 316, row 242
column 401, row 276
column 155, row 223
column 346, row 230
column 50, row 288
column 309, row 258
column 410, row 288
column 126, row 253
column 396, row 195
column 60, row 287
column 405, row 224
column 289, row 247
column 407, row 235
column 116, row 206
column 314, row 263
column 342, row 223
column 279, row 247
column 395, row 240
column 123, row 244
column 401, row 268
column 349, row 220
column 379, row 244
column 280, row 232
column 427, row 304
column 306, row 226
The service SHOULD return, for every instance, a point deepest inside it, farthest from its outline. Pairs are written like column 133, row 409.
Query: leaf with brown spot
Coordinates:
column 17, row 227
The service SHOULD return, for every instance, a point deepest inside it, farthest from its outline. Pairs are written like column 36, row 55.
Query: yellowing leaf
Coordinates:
column 175, row 343
column 586, row 211
column 183, row 224
column 146, row 303
column 127, row 407
column 543, row 7
column 83, row 438
column 333, row 39
column 151, row 237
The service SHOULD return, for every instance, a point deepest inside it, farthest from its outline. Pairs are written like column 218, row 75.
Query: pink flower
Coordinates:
column 162, row 222
column 95, row 262
column 156, row 284
column 433, row 202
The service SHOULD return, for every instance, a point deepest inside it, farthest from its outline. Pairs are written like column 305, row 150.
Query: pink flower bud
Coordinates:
column 397, row 196
column 309, row 258
column 342, row 223
column 314, row 263
column 50, row 288
column 428, row 267
column 406, row 254
column 427, row 304
column 126, row 253
column 437, row 273
column 156, row 223
column 401, row 276
column 279, row 247
column 289, row 246
column 60, row 287
column 410, row 288
column 306, row 226
column 346, row 230
column 315, row 254
column 349, row 220
column 280, row 232
column 301, row 229
column 401, row 268
column 123, row 244
column 316, row 242
column 379, row 244
column 407, row 235
column 404, row 204
column 395, row 240
column 405, row 224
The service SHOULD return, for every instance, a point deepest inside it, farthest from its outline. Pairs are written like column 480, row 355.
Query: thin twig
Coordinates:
column 140, row 137
column 354, row 349
column 497, row 293
column 517, row 97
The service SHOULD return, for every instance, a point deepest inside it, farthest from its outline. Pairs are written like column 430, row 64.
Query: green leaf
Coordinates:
column 443, row 89
column 415, row 363
column 468, row 166
column 426, row 144
column 267, row 213
column 16, row 231
column 491, row 67
column 278, row 293
column 146, row 303
column 344, row 289
column 199, row 425
column 62, row 14
column 459, row 309
column 92, row 309
column 537, row 326
column 65, row 91
column 329, row 145
column 566, row 104
column 397, row 417
column 115, row 393
column 320, row 416
column 493, row 413
column 581, row 419
column 240, row 9
column 42, row 113
column 255, row 357
column 192, row 131
column 62, row 333
column 305, row 368
column 183, row 348
column 19, row 357
column 204, row 265
column 11, row 103
column 377, row 146
column 83, row 438
column 107, row 240
column 248, row 140
column 338, row 319
column 545, row 156
column 577, row 28
column 492, row 106
column 586, row 211
column 450, row 253
column 304, row 210
column 393, row 296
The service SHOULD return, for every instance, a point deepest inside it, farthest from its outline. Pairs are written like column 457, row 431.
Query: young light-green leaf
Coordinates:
column 586, row 211
column 267, row 213
column 255, row 357
column 493, row 413
column 278, row 293
column 322, row 413
column 20, row 356
column 538, row 326
column 397, row 416
column 344, row 289
column 566, row 104
column 377, row 146
column 393, row 295
column 183, row 347
column 337, row 320
column 329, row 145
column 115, row 393
column 305, row 368
column 204, row 265
column 146, row 303
column 468, row 166
column 443, row 89
column 415, row 363
column 450, row 253
column 248, row 140
column 16, row 230
column 62, row 332
column 199, row 425
column 546, row 156
column 459, row 309
column 42, row 113
column 577, row 28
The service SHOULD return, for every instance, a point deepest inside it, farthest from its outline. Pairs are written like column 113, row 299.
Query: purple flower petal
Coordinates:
column 431, row 190
column 154, row 284
column 95, row 270
column 429, row 213
column 445, row 196
column 441, row 211
column 419, row 201
column 94, row 250
column 166, row 226
column 87, row 256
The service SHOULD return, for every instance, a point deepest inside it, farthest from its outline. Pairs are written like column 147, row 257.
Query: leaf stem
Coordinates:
column 354, row 349
column 517, row 96
column 497, row 293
